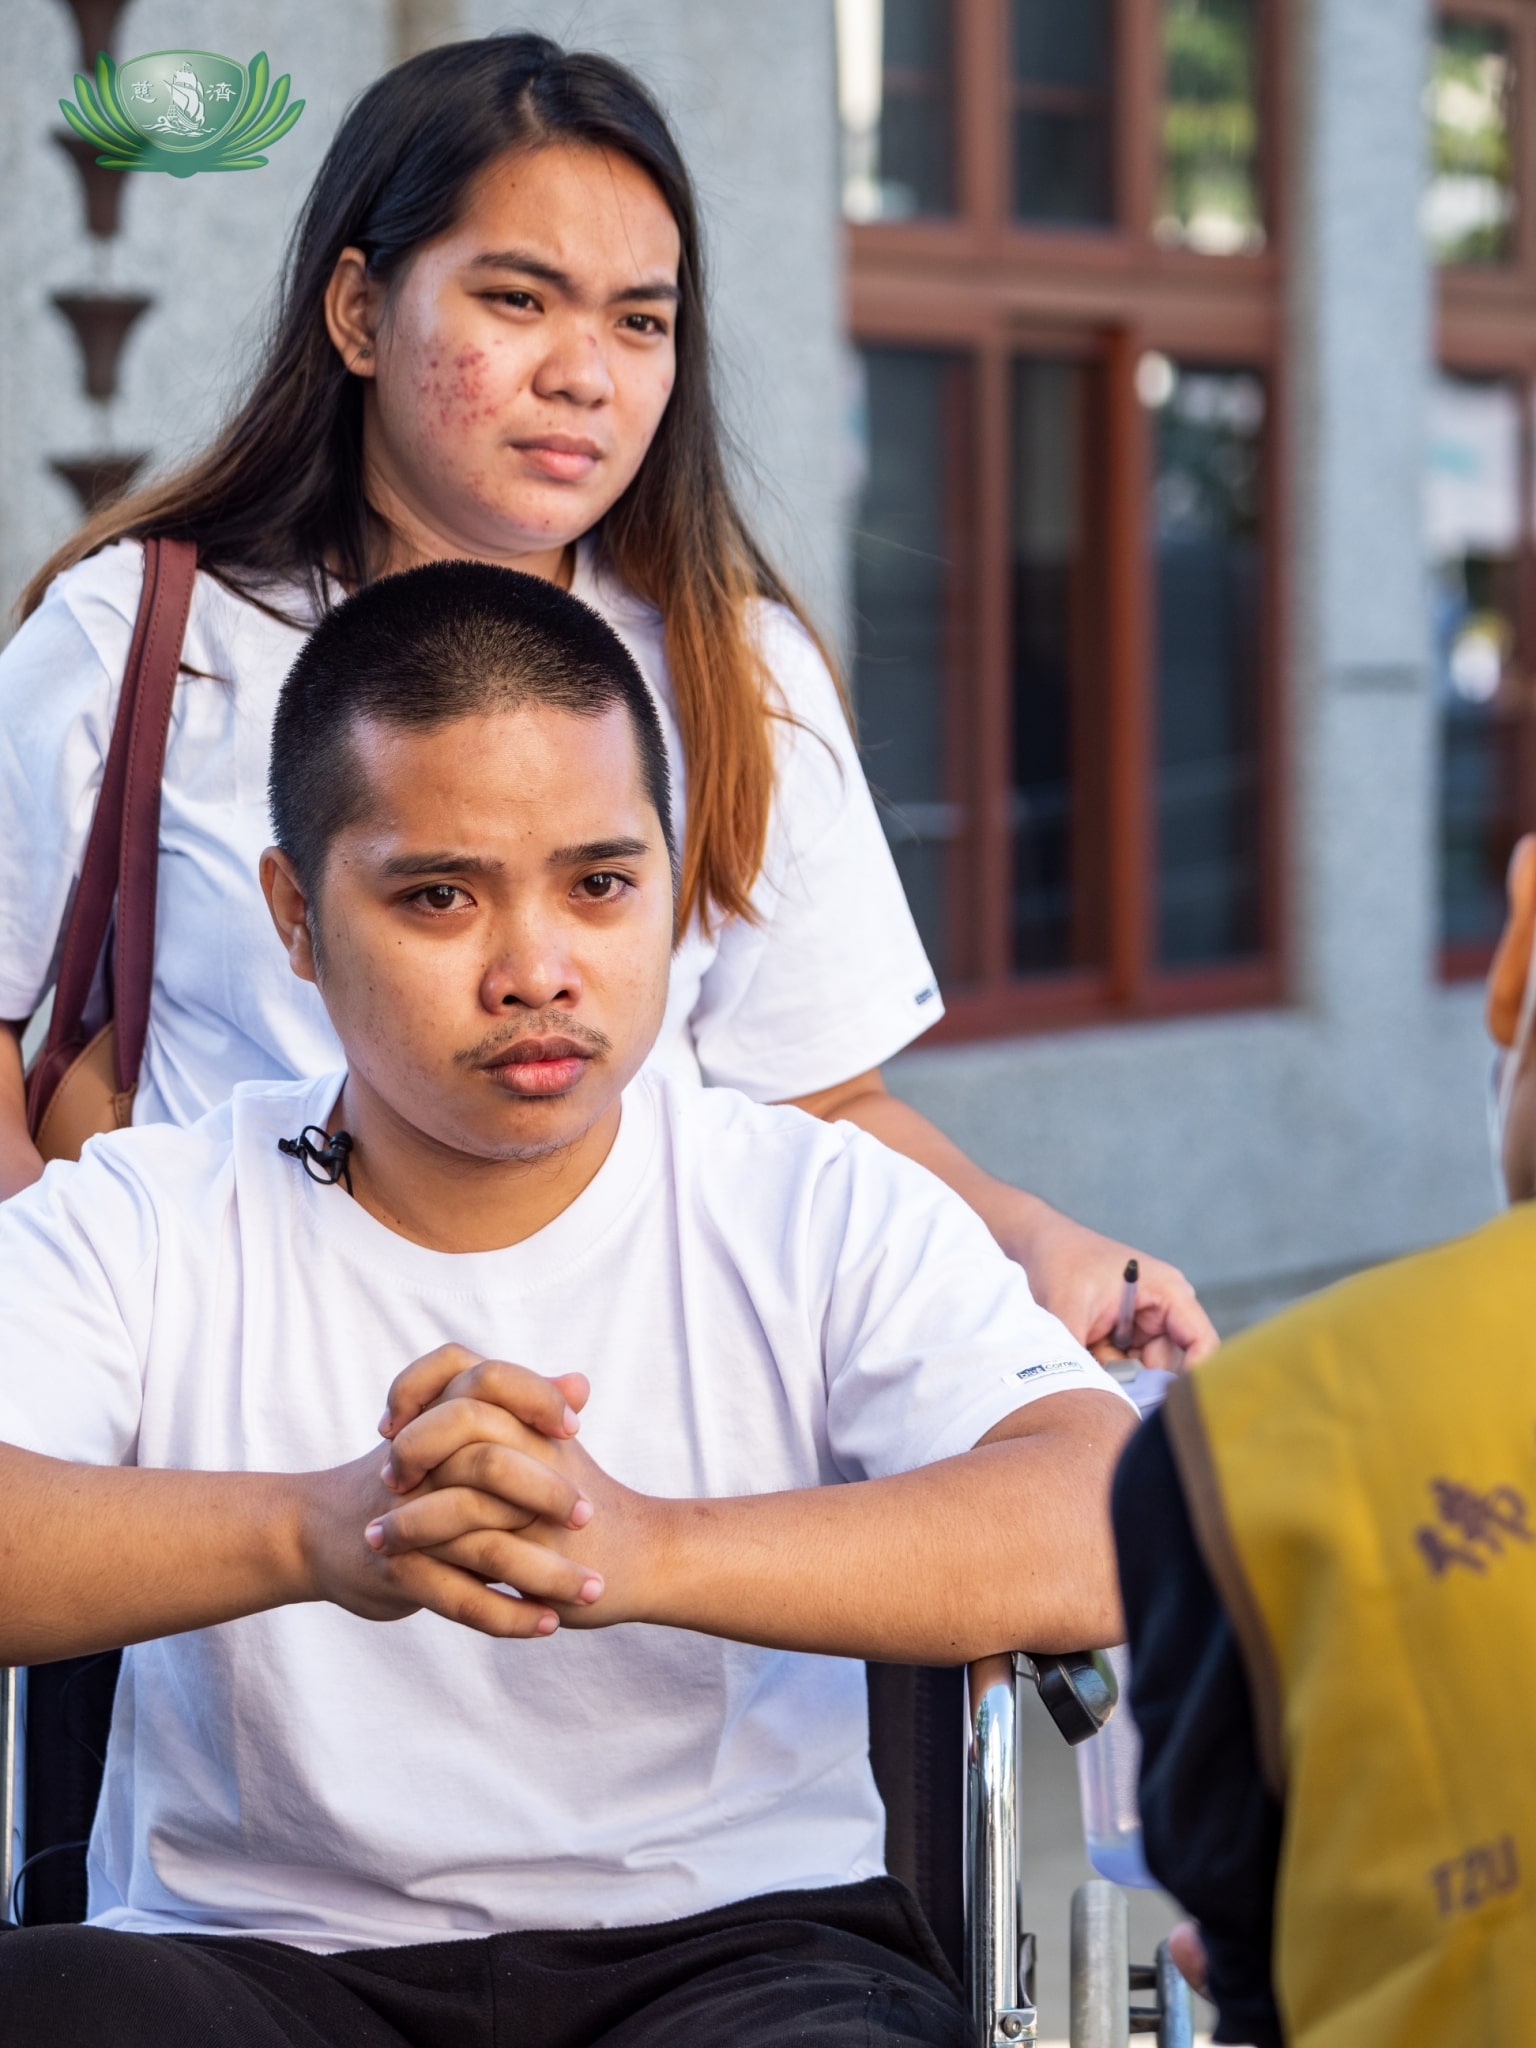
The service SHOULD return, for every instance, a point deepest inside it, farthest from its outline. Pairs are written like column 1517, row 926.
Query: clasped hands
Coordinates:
column 482, row 1484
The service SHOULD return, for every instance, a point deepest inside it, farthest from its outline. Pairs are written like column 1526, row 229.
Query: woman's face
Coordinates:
column 523, row 362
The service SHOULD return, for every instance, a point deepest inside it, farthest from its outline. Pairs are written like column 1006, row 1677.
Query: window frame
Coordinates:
column 1488, row 289
column 991, row 288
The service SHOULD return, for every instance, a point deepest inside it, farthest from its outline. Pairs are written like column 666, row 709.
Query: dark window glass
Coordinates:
column 1208, row 551
column 1058, row 718
column 896, row 88
column 1469, row 208
column 907, row 610
column 1472, row 514
column 1211, row 195
column 1062, row 74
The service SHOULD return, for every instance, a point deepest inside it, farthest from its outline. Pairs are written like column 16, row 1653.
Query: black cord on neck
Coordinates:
column 322, row 1154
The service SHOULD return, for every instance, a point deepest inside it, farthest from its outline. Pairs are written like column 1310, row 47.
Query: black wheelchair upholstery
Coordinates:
column 916, row 1718
column 68, row 1713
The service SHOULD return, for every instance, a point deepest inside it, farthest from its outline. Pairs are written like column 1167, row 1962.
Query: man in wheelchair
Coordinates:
column 688, row 1403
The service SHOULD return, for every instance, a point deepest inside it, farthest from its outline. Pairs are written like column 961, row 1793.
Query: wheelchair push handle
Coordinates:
column 1077, row 1688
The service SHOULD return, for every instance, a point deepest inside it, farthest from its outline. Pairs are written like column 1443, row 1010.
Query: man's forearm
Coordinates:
column 1005, row 1548
column 92, row 1558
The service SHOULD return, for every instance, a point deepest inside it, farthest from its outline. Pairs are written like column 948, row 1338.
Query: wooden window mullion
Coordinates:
column 981, row 84
column 962, row 433
column 1523, row 107
column 1139, row 83
column 1132, row 853
column 993, row 721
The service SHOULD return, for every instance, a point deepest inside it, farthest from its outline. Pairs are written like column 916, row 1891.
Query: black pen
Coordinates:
column 1125, row 1325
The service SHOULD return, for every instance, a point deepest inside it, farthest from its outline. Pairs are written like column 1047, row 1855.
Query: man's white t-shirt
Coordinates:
column 830, row 981
column 760, row 1301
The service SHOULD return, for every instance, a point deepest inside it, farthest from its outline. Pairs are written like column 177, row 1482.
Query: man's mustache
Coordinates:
column 502, row 1046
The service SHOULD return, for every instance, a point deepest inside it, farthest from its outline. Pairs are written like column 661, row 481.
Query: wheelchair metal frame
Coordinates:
column 10, row 1771
column 1079, row 1692
column 999, row 1964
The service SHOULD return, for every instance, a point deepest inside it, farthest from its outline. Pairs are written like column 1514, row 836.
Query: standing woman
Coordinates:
column 491, row 343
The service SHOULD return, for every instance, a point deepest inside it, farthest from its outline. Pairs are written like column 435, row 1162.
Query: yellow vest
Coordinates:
column 1361, row 1475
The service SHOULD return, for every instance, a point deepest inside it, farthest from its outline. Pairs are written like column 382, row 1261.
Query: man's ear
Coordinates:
column 290, row 912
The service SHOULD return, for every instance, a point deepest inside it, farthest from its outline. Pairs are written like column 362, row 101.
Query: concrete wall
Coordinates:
column 205, row 248
column 1268, row 1152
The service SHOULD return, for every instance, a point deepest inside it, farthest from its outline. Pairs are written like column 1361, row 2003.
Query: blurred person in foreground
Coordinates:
column 1327, row 1544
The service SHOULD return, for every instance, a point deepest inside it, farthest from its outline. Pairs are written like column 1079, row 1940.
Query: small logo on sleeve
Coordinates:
column 926, row 995
column 1042, row 1372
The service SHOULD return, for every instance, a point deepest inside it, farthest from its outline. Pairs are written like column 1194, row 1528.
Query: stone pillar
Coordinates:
column 422, row 24
column 1364, row 823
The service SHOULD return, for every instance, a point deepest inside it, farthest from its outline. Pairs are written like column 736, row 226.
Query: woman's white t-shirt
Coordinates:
column 831, row 981
column 760, row 1301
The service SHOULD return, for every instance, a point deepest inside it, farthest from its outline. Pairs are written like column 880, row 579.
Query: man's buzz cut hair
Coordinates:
column 417, row 650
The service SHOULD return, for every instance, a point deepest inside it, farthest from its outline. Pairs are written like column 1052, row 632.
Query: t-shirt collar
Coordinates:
column 328, row 1220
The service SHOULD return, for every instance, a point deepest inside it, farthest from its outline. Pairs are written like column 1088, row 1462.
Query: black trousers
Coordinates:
column 851, row 1967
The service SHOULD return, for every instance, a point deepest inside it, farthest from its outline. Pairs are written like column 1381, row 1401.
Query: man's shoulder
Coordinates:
column 778, row 1155
column 726, row 1117
column 174, row 1166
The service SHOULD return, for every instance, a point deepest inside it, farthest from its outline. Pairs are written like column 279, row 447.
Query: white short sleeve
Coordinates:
column 78, row 1267
column 59, row 686
column 832, row 979
column 933, row 1336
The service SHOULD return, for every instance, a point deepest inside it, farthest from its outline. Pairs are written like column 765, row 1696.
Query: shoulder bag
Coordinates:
column 82, row 1083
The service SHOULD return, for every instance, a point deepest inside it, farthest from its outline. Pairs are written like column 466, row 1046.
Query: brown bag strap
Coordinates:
column 122, row 852
column 169, row 603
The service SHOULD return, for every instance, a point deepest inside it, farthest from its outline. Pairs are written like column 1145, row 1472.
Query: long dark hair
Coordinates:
column 279, row 495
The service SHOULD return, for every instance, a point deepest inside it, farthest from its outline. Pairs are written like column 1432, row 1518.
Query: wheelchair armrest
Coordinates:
column 1002, row 2008
column 1077, row 1689
column 10, row 1785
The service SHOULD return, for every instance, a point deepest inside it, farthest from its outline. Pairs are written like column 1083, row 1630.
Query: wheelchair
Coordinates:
column 944, row 1749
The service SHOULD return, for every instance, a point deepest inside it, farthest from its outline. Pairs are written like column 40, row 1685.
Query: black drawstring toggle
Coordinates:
column 322, row 1154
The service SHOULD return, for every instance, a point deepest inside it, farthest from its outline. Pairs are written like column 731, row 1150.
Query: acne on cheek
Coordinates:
column 455, row 399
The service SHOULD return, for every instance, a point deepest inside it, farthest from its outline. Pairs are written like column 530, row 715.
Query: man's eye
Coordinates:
column 602, row 887
column 440, row 896
column 644, row 323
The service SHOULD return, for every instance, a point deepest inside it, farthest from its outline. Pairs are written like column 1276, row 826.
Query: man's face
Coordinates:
column 494, row 935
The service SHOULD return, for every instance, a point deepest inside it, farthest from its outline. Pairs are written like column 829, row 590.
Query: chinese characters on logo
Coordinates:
column 1473, row 1527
